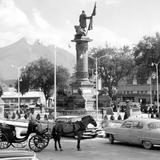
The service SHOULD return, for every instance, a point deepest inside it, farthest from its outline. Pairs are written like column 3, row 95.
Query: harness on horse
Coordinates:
column 82, row 126
column 73, row 124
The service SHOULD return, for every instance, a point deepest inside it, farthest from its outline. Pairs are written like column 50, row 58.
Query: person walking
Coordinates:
column 128, row 110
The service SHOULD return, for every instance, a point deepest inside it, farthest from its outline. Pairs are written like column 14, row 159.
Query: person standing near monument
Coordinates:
column 128, row 110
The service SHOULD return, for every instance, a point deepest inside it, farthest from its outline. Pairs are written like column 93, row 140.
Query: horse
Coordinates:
column 77, row 128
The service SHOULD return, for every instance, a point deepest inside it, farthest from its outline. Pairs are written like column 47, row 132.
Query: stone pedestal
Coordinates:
column 83, row 86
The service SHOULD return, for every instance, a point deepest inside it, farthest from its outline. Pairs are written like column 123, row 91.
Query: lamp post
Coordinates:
column 96, row 59
column 55, row 88
column 156, row 64
column 151, row 90
column 18, row 87
column 18, row 81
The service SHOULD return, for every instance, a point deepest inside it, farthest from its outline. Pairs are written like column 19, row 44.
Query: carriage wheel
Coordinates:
column 4, row 142
column 46, row 139
column 36, row 143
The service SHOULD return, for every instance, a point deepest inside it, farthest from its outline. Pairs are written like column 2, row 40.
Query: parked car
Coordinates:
column 145, row 132
column 17, row 155
column 91, row 131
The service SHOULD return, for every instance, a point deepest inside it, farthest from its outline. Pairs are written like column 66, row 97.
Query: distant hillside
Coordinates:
column 21, row 53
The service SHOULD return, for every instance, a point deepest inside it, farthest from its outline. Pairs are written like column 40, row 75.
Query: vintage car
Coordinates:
column 18, row 155
column 142, row 131
column 91, row 131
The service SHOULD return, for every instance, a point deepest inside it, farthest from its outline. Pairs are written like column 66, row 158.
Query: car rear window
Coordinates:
column 154, row 125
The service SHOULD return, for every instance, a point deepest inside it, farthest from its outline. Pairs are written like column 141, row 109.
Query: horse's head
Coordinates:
column 89, row 119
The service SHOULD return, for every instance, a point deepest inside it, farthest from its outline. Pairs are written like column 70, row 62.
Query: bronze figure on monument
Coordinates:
column 81, row 28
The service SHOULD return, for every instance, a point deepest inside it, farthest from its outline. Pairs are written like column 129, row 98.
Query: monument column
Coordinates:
column 82, row 58
column 83, row 89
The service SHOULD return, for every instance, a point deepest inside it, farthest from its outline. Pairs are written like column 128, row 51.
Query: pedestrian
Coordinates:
column 128, row 110
column 32, row 120
column 50, row 115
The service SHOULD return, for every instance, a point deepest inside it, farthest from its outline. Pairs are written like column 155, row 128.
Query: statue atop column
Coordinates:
column 83, row 90
column 81, row 28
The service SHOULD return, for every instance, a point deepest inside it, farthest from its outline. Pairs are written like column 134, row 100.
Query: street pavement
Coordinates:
column 98, row 149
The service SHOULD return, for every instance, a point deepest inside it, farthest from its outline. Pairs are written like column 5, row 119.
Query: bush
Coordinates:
column 112, row 117
column 119, row 117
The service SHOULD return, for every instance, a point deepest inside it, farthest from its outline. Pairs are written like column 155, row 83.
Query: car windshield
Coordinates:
column 154, row 125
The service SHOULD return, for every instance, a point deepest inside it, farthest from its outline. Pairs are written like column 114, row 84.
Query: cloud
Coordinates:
column 111, row 2
column 40, row 22
column 14, row 24
column 107, row 2
column 10, row 15
column 86, row 1
column 102, row 35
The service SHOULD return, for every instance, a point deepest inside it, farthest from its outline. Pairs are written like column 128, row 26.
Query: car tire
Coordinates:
column 111, row 139
column 147, row 144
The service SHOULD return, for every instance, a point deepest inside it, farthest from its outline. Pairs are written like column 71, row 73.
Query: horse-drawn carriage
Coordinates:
column 37, row 142
column 41, row 138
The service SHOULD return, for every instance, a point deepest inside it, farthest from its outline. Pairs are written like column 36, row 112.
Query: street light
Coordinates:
column 151, row 90
column 55, row 88
column 18, row 79
column 96, row 59
column 156, row 64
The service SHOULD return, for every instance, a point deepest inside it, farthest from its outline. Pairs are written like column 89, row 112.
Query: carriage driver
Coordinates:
column 32, row 118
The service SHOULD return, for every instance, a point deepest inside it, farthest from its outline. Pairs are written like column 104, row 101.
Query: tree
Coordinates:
column 116, row 64
column 62, row 79
column 146, row 52
column 40, row 75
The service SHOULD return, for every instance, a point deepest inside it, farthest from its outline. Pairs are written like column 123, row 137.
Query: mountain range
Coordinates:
column 21, row 53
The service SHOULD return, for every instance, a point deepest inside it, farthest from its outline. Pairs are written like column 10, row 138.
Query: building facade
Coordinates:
column 144, row 93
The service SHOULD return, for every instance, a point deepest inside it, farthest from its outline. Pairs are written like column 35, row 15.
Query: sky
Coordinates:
column 117, row 22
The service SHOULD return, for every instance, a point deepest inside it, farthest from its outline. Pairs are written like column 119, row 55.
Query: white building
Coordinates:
column 29, row 98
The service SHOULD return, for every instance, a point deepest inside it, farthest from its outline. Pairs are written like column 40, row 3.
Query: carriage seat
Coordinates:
column 23, row 133
column 42, row 131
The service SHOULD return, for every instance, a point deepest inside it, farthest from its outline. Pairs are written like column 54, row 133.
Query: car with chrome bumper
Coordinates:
column 141, row 131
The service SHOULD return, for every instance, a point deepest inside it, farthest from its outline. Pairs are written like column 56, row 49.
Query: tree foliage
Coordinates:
column 146, row 53
column 113, row 64
column 40, row 75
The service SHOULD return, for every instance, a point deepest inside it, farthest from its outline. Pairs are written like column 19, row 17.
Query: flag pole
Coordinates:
column 93, row 14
